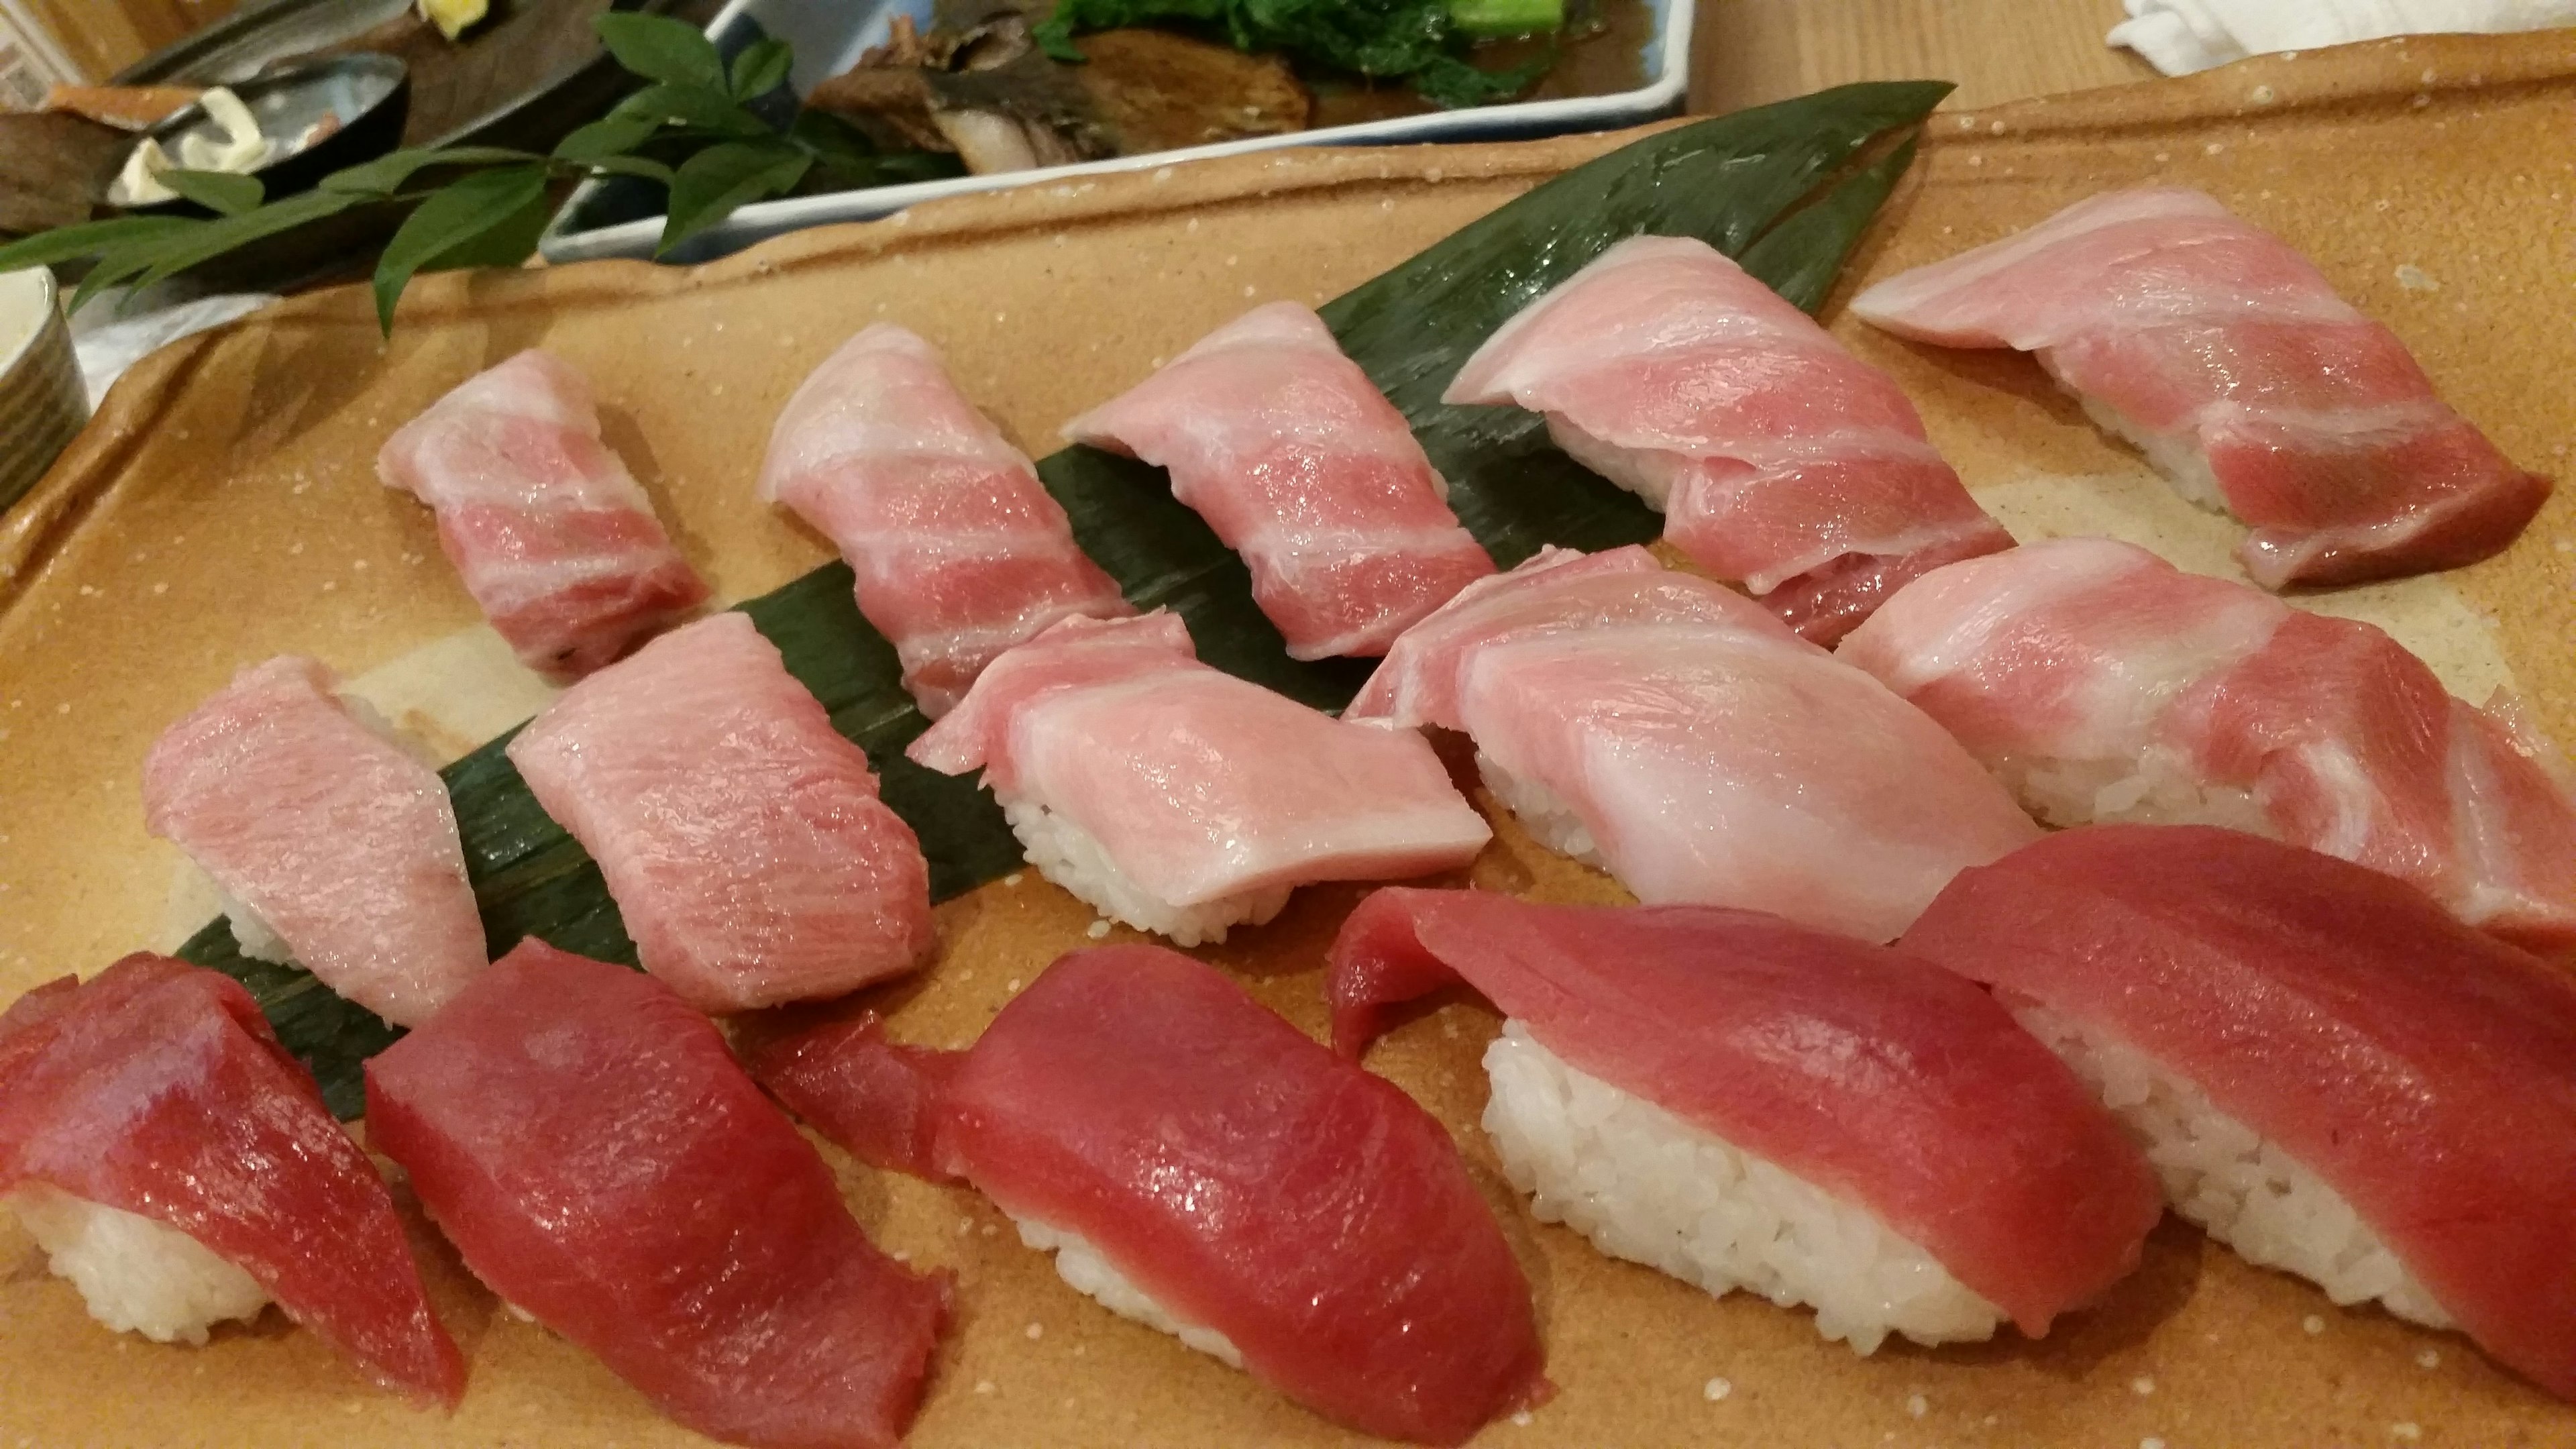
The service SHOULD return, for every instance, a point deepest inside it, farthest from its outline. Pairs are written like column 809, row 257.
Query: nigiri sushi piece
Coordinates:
column 588, row 1143
column 1778, row 460
column 2330, row 1074
column 1199, row 1165
column 2103, row 684
column 1749, row 1104
column 553, row 537
column 960, row 552
column 331, row 844
column 1672, row 732
column 180, row 1169
column 1182, row 800
column 2226, row 358
column 1303, row 467
column 740, row 834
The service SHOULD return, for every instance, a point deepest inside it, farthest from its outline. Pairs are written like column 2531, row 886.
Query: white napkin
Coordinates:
column 2187, row 35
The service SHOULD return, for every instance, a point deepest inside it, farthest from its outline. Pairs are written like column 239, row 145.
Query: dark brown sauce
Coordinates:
column 1607, row 55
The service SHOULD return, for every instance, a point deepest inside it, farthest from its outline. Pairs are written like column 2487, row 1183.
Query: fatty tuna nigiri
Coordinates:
column 554, row 539
column 2101, row 683
column 333, row 847
column 2231, row 363
column 1674, row 733
column 1778, row 459
column 1181, row 799
column 1297, row 461
column 1199, row 1165
column 179, row 1167
column 588, row 1143
column 1746, row 1103
column 2330, row 1074
column 959, row 550
column 740, row 834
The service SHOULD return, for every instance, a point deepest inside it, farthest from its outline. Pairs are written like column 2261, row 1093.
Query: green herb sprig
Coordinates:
column 690, row 128
column 1422, row 42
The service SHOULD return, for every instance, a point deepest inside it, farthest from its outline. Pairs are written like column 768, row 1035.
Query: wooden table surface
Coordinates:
column 1747, row 52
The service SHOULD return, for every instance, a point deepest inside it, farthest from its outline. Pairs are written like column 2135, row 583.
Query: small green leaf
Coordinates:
column 88, row 239
column 643, row 166
column 386, row 174
column 709, row 185
column 608, row 136
column 168, row 257
column 761, row 68
column 659, row 48
column 830, row 138
column 449, row 222
column 692, row 106
column 220, row 192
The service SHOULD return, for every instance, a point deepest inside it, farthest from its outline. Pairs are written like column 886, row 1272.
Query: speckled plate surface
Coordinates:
column 223, row 509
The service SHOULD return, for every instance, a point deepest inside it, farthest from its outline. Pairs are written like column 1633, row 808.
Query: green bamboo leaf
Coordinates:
column 694, row 107
column 659, row 48
column 1801, row 257
column 609, row 136
column 761, row 68
column 89, row 239
column 180, row 251
column 386, row 174
column 449, row 222
column 711, row 184
column 220, row 192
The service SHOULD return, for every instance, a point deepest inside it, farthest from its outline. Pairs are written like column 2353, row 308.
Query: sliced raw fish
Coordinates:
column 1303, row 467
column 875, row 1097
column 585, row 1139
column 2330, row 1073
column 960, row 551
column 332, row 845
column 1675, row 734
column 2102, row 684
column 1203, row 1166
column 740, row 834
column 1181, row 799
column 1872, row 1079
column 2231, row 363
column 555, row 540
column 1778, row 459
column 157, row 1092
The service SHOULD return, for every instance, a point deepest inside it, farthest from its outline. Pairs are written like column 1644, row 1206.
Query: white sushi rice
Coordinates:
column 2243, row 1189
column 1548, row 819
column 136, row 1275
column 1080, row 1264
column 2158, row 787
column 1646, row 1186
column 2176, row 457
column 1068, row 855
column 251, row 931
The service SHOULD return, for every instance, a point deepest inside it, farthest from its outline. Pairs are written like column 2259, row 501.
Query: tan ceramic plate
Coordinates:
column 223, row 509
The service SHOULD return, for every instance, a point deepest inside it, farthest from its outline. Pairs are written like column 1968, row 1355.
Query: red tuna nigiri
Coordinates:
column 2241, row 1000
column 1203, row 1166
column 588, row 1143
column 158, row 1089
column 740, row 834
column 554, row 539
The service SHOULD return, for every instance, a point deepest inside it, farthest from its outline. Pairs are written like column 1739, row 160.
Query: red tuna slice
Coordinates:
column 553, row 537
column 1778, row 459
column 1297, row 461
column 343, row 844
column 2426, row 1071
column 158, row 1089
column 960, row 551
column 2232, row 362
column 740, row 834
column 878, row 1099
column 1862, row 1069
column 588, row 1143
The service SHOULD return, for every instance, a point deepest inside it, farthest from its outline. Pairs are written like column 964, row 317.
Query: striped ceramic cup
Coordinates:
column 42, row 402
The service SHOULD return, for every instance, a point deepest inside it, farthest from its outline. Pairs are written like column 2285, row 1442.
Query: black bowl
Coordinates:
column 370, row 94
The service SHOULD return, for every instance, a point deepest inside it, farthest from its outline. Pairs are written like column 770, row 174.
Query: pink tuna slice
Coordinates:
column 1200, row 785
column 740, row 834
column 960, row 552
column 591, row 1148
column 2337, row 738
column 1244, row 1178
column 1778, row 459
column 1297, row 461
column 1868, row 1072
column 2425, row 1071
column 553, row 537
column 2230, row 360
column 158, row 1089
column 340, row 842
column 1712, row 757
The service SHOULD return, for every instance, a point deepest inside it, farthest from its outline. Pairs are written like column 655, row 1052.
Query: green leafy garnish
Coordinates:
column 1418, row 41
